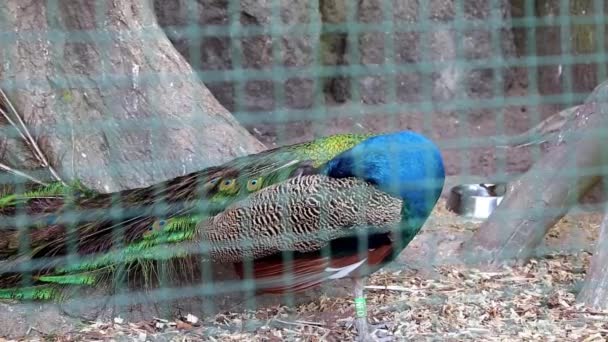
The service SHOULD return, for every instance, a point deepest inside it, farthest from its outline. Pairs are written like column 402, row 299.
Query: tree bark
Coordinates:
column 112, row 103
column 538, row 199
column 107, row 96
column 594, row 293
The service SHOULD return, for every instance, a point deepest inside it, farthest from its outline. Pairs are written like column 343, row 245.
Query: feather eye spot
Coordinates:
column 254, row 184
column 154, row 227
column 211, row 183
column 228, row 185
column 158, row 224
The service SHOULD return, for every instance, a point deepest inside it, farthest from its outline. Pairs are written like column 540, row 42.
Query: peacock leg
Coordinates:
column 363, row 327
column 361, row 311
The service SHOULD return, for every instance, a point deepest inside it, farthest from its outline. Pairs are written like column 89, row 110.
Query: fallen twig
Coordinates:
column 302, row 323
column 21, row 174
column 389, row 288
column 25, row 134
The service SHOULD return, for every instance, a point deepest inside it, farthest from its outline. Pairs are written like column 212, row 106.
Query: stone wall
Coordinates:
column 335, row 45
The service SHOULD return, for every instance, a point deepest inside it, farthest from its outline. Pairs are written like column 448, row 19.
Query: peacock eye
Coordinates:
column 254, row 184
column 210, row 184
column 157, row 225
column 228, row 185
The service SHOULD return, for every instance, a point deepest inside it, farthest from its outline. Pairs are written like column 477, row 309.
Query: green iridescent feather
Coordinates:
column 43, row 292
column 187, row 199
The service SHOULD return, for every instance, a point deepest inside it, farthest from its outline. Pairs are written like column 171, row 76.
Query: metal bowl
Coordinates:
column 476, row 201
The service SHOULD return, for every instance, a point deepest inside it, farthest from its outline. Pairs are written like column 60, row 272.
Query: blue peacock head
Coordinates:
column 404, row 164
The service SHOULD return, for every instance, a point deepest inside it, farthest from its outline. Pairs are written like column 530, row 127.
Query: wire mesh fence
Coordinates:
column 137, row 107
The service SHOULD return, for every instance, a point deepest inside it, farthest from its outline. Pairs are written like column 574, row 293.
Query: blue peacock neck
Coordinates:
column 404, row 164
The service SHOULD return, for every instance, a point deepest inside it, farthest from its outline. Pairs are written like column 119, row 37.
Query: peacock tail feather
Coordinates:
column 176, row 230
column 140, row 259
column 209, row 190
column 39, row 293
column 256, row 223
column 146, row 232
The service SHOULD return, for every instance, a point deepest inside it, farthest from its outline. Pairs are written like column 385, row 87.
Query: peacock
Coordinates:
column 342, row 206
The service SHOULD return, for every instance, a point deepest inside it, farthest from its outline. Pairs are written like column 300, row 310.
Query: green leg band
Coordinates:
column 360, row 307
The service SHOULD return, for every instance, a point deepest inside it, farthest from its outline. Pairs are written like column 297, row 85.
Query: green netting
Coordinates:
column 473, row 75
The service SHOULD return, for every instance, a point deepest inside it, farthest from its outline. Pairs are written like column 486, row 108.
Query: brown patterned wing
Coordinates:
column 302, row 214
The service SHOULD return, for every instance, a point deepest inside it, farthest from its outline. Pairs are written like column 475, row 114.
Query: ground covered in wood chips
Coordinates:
column 535, row 302
column 447, row 302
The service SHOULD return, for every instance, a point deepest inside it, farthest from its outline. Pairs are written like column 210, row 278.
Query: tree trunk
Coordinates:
column 594, row 293
column 537, row 200
column 108, row 98
column 111, row 103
